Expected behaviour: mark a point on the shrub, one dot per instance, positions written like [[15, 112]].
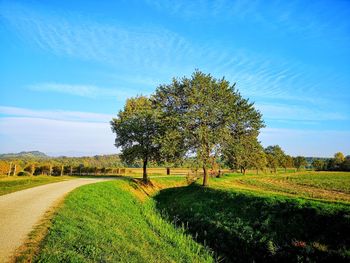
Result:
[[23, 173]]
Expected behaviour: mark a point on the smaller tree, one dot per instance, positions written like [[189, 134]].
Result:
[[318, 165], [245, 152], [339, 158], [287, 162], [299, 162], [260, 160], [274, 156], [136, 129]]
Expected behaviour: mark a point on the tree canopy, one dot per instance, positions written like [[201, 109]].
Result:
[[203, 114], [136, 128]]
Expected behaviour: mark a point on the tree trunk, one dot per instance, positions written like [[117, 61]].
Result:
[[243, 170], [168, 171], [205, 176], [14, 171], [10, 169], [62, 170], [145, 177], [71, 170]]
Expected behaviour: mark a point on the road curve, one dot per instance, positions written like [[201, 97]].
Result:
[[20, 211]]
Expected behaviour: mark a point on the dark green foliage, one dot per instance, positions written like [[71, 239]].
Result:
[[246, 227], [23, 173], [338, 163], [345, 166]]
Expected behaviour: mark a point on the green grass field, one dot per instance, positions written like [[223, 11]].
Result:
[[16, 183], [292, 217], [106, 222]]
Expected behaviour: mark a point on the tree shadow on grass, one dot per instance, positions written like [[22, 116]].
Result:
[[246, 227]]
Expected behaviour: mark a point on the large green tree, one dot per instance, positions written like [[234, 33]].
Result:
[[201, 114], [136, 129]]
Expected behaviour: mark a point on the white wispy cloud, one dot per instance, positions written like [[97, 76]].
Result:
[[160, 52], [56, 115], [309, 20], [72, 36], [88, 91]]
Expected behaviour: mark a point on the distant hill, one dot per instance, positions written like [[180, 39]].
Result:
[[20, 155]]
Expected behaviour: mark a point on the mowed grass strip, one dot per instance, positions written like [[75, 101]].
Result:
[[105, 222], [16, 183]]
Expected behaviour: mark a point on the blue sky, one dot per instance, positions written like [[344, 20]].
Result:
[[67, 67]]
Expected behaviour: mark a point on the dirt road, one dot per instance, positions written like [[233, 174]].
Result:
[[20, 211]]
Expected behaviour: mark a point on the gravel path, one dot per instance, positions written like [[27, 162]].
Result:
[[20, 211]]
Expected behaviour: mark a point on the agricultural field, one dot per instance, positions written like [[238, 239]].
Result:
[[265, 218], [327, 186]]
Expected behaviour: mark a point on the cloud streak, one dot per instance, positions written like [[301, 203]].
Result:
[[88, 91], [152, 48], [291, 17], [156, 50], [56, 115]]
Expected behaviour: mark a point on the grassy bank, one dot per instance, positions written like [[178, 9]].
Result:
[[106, 222], [16, 183], [243, 222]]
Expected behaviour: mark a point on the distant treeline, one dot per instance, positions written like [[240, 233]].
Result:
[[27, 163], [338, 163], [43, 164]]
